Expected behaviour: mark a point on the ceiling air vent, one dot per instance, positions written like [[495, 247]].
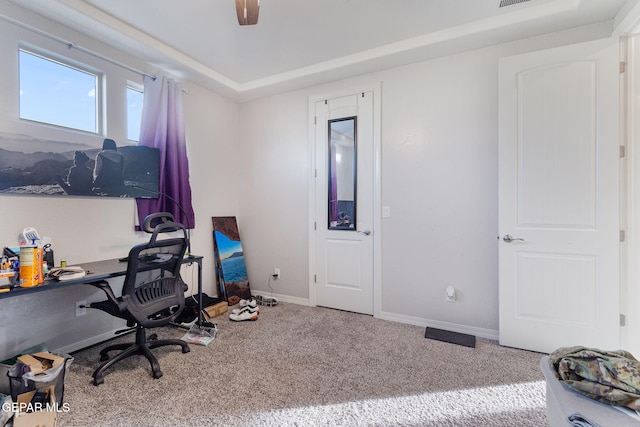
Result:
[[505, 3]]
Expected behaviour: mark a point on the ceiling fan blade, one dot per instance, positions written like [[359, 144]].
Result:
[[247, 11]]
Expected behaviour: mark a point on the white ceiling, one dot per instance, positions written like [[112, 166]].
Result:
[[304, 42]]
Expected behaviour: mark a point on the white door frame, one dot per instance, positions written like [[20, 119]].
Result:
[[376, 88]]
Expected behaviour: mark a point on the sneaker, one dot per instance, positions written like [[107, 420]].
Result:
[[246, 308], [246, 313], [268, 301], [244, 304]]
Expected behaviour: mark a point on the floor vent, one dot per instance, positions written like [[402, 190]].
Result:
[[450, 337], [505, 3]]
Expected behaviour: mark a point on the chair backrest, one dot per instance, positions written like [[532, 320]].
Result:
[[151, 221], [153, 291]]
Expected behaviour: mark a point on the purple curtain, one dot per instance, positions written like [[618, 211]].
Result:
[[162, 127], [333, 182]]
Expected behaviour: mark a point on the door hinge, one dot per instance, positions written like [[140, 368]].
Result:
[[314, 225], [623, 151], [315, 278], [623, 67], [623, 320], [315, 173], [622, 235]]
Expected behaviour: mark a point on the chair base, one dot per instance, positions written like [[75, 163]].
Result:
[[142, 347]]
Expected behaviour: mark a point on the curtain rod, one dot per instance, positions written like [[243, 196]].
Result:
[[72, 45]]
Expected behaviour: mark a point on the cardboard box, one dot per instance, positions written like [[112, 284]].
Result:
[[40, 362], [34, 364], [41, 417], [215, 310]]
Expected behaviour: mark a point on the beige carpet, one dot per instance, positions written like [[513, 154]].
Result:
[[306, 366]]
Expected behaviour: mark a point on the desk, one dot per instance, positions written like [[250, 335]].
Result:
[[102, 270]]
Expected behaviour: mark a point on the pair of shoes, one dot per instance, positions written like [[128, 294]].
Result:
[[268, 301], [249, 311], [244, 315], [251, 304]]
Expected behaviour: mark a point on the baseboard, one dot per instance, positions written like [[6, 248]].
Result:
[[88, 342], [447, 326], [283, 298]]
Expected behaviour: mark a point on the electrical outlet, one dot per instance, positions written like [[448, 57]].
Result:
[[276, 273], [81, 308], [450, 295]]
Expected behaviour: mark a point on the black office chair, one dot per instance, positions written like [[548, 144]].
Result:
[[152, 296]]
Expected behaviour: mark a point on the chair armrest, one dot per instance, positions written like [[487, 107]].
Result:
[[104, 285]]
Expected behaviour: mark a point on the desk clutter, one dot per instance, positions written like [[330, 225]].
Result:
[[66, 273], [27, 264], [32, 262], [32, 387]]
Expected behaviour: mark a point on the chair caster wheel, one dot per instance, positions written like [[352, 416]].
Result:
[[157, 374], [152, 337], [104, 357], [186, 350], [98, 381]]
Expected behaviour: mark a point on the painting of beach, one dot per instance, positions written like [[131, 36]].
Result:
[[231, 271]]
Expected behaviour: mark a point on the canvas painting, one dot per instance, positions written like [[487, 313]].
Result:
[[57, 168], [231, 271]]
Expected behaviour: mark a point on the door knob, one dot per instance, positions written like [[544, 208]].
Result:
[[365, 232], [507, 238]]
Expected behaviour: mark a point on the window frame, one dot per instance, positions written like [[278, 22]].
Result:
[[115, 77], [100, 76]]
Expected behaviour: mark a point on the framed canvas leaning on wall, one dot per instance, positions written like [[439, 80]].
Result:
[[228, 255]]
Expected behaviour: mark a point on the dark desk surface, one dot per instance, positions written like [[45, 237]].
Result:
[[95, 271]]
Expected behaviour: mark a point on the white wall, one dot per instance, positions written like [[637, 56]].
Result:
[[211, 123], [439, 177], [87, 229], [273, 193]]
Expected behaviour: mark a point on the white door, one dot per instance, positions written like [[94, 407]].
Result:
[[559, 198], [344, 203]]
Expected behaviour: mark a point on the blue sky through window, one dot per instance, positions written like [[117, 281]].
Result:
[[57, 94], [134, 113]]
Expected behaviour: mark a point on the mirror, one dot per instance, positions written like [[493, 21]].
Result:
[[342, 174]]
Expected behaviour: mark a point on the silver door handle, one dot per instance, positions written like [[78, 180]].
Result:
[[365, 232], [507, 238]]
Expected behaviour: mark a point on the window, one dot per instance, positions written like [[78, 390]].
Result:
[[58, 94], [134, 113]]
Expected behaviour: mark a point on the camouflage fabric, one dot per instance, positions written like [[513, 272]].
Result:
[[611, 377]]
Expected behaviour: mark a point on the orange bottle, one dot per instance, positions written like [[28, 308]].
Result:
[[28, 269]]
